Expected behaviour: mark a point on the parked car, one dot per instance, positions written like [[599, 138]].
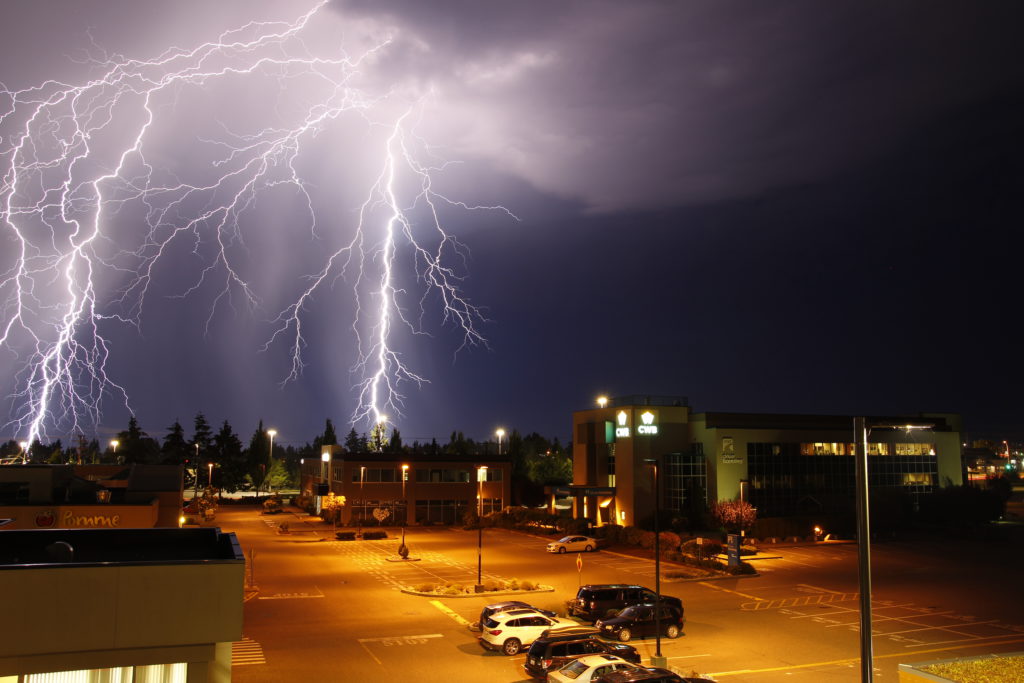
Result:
[[511, 632], [639, 620], [589, 668], [595, 601], [573, 544], [649, 675], [557, 647], [488, 610]]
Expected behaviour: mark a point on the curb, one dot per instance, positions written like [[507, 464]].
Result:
[[486, 594]]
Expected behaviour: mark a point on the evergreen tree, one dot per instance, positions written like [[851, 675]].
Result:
[[202, 438], [352, 441], [258, 457], [329, 437], [230, 470], [396, 441], [135, 446], [175, 448]]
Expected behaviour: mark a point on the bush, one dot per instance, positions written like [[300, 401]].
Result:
[[528, 586], [425, 588], [452, 590], [742, 568], [345, 535], [490, 585], [374, 535], [633, 535], [647, 540], [710, 548]]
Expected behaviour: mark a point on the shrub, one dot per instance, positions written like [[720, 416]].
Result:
[[374, 535], [669, 541], [633, 535], [742, 568], [490, 585], [709, 549], [452, 590], [425, 588], [528, 585], [647, 540], [345, 535]]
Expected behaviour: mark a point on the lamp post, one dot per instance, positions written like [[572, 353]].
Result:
[[195, 486], [861, 429], [270, 457], [481, 474], [403, 551], [658, 659], [362, 501], [602, 401], [500, 434], [24, 452], [209, 478]]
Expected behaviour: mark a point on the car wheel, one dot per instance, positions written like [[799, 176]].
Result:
[[588, 549], [511, 646], [625, 635], [672, 631], [561, 550]]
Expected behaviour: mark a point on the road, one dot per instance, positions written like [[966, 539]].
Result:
[[332, 610]]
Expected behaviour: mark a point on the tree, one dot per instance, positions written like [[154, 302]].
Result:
[[175, 448], [258, 456], [396, 441], [226, 452], [202, 436], [329, 438], [378, 438], [135, 446], [352, 441], [734, 515]]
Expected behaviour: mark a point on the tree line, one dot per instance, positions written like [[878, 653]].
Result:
[[535, 460]]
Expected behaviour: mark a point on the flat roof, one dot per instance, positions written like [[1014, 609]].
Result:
[[34, 548], [811, 422]]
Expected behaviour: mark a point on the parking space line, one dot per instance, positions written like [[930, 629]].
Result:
[[726, 590], [445, 609]]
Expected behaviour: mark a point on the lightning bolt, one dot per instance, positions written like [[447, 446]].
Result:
[[77, 169]]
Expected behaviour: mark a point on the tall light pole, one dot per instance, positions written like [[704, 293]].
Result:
[[405, 504], [270, 458], [657, 660], [481, 474], [602, 401], [861, 429], [500, 434], [362, 501], [24, 452], [209, 478]]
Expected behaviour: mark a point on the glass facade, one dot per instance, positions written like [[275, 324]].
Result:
[[786, 480], [686, 480]]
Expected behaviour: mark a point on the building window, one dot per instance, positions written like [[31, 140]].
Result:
[[686, 481], [376, 475], [915, 449], [442, 476]]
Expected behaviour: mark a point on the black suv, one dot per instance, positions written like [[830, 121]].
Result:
[[639, 620], [596, 601], [556, 647]]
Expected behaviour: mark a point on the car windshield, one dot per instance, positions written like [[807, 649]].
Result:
[[567, 539], [632, 612], [573, 669]]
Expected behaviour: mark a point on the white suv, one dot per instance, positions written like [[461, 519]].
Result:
[[511, 631]]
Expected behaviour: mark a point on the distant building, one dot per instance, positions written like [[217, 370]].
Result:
[[120, 605], [437, 489], [90, 496], [784, 465]]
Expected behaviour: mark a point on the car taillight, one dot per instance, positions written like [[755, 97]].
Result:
[[495, 632], [547, 663], [592, 604]]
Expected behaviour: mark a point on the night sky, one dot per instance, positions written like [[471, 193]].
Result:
[[771, 207]]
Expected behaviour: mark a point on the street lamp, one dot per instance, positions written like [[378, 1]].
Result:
[[658, 659], [481, 475], [209, 478], [861, 429], [362, 501], [114, 443], [271, 433], [24, 452], [602, 401], [405, 510], [500, 434]]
